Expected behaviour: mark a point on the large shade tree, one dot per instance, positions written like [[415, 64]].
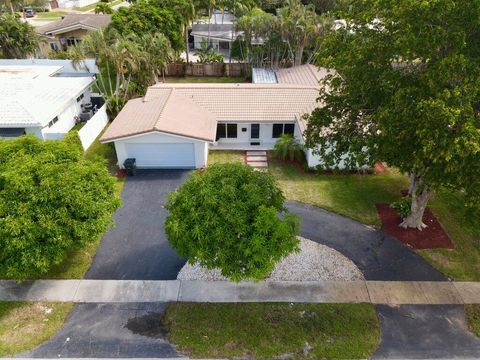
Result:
[[145, 17], [405, 91], [227, 217], [52, 200], [18, 39]]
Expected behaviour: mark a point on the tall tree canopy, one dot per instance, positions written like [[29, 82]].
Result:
[[150, 16], [405, 91], [17, 38], [52, 200]]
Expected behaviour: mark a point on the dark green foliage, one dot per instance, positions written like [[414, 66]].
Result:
[[406, 91], [226, 217], [51, 201], [402, 207], [17, 38], [145, 17], [287, 147]]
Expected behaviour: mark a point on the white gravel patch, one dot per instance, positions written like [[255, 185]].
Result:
[[314, 262]]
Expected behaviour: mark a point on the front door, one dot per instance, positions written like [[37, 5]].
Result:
[[255, 131]]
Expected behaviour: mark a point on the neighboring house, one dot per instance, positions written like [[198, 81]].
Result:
[[222, 32], [67, 32], [40, 100], [175, 125]]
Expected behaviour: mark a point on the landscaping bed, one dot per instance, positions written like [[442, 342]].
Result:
[[313, 262], [265, 330], [24, 325], [433, 236]]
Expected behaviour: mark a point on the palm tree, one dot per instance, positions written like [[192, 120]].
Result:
[[103, 8], [187, 10], [158, 54], [288, 147]]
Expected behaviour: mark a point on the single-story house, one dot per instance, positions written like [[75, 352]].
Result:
[[222, 32], [67, 32], [33, 100], [176, 125]]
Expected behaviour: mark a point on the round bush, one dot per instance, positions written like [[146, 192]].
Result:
[[232, 218]]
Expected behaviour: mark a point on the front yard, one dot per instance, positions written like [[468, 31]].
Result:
[[355, 196], [264, 331]]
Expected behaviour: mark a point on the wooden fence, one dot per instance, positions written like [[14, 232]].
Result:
[[215, 69]]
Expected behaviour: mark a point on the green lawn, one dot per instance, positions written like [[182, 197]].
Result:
[[473, 317], [222, 157], [263, 331], [355, 196], [88, 7], [55, 14], [350, 195], [24, 325], [205, 79]]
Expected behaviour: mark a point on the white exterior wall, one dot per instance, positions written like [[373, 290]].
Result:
[[265, 139], [66, 119], [201, 147]]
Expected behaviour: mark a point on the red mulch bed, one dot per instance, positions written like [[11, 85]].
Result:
[[121, 173], [432, 237], [379, 168]]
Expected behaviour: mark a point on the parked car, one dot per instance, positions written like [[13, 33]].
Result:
[[29, 12]]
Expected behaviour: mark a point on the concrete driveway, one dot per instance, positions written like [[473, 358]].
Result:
[[137, 247]]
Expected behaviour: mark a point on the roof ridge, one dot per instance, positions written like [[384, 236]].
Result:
[[163, 108]]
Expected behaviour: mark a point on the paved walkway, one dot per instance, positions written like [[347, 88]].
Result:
[[257, 159], [139, 291]]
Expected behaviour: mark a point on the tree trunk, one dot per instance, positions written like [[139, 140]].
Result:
[[186, 42], [209, 17], [298, 55], [412, 183], [420, 196]]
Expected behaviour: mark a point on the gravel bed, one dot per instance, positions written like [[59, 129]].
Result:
[[313, 262]]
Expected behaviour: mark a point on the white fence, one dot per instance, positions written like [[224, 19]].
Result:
[[89, 132]]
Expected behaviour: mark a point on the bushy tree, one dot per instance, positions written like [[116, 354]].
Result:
[[52, 200], [227, 217], [148, 17], [18, 40], [406, 91]]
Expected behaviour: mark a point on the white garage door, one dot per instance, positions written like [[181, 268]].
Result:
[[162, 155]]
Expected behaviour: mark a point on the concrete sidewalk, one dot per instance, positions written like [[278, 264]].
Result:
[[125, 291]]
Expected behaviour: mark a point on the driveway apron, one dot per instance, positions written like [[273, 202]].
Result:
[[136, 248], [407, 331]]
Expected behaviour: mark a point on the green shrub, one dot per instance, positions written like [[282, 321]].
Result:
[[402, 206], [51, 201], [287, 147], [227, 217]]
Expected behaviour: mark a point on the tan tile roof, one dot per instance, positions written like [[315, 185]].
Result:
[[246, 102], [308, 75], [168, 112], [192, 109], [90, 20]]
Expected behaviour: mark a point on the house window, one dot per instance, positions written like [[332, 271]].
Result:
[[231, 130], [226, 131], [54, 46], [72, 41], [281, 129], [52, 122]]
